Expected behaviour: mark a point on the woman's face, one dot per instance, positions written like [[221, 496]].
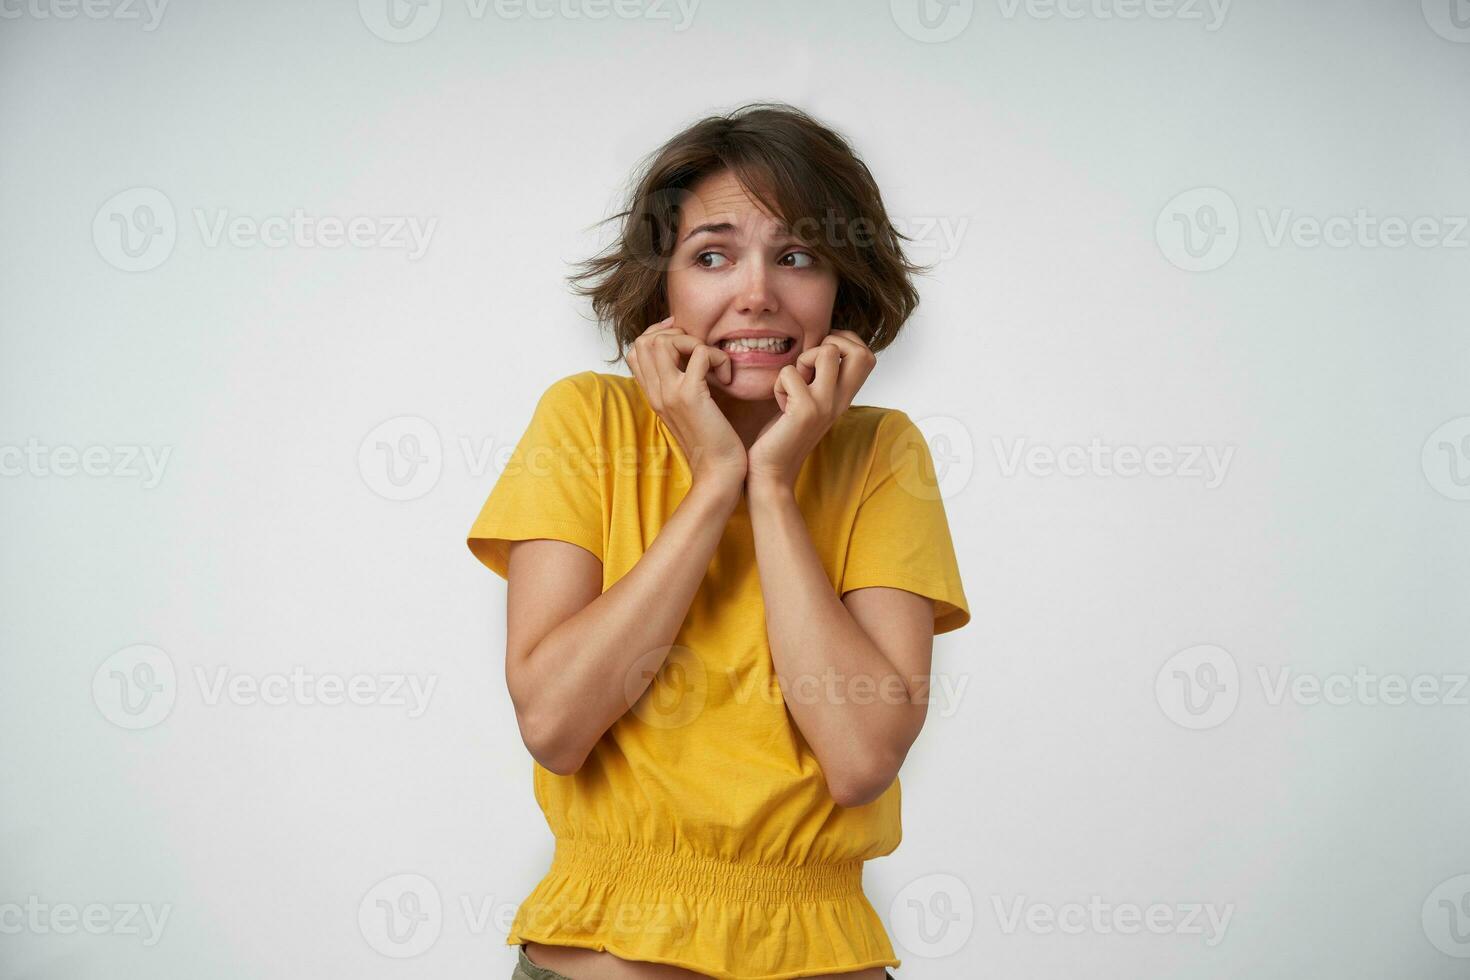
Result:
[[737, 272]]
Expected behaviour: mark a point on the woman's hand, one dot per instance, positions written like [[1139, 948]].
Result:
[[682, 398], [839, 364]]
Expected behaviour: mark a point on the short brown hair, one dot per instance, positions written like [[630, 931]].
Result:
[[797, 169]]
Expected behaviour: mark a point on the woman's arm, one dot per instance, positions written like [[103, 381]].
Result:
[[571, 648], [854, 671]]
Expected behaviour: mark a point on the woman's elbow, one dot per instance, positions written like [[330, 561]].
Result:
[[552, 749], [860, 789], [542, 725], [560, 765]]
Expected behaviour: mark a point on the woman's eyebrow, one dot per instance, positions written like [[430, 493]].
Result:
[[720, 227], [713, 228]]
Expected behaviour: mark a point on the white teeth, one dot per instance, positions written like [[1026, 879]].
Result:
[[771, 344]]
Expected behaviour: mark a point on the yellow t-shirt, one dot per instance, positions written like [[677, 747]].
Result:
[[699, 832]]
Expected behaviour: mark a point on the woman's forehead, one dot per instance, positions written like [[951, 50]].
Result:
[[721, 197]]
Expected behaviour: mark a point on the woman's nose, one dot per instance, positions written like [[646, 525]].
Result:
[[756, 295]]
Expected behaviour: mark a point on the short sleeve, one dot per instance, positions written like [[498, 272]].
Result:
[[550, 487], [900, 536]]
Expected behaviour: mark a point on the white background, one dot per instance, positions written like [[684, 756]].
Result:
[[1054, 148]]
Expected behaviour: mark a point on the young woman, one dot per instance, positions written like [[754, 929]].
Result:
[[724, 578]]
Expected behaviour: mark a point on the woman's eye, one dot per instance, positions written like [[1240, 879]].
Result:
[[699, 259], [807, 257]]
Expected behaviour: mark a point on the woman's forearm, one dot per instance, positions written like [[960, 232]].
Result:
[[591, 668], [861, 731]]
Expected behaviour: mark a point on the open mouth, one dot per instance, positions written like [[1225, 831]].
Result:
[[762, 345]]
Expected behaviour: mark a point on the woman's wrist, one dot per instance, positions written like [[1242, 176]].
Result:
[[722, 487], [768, 489]]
